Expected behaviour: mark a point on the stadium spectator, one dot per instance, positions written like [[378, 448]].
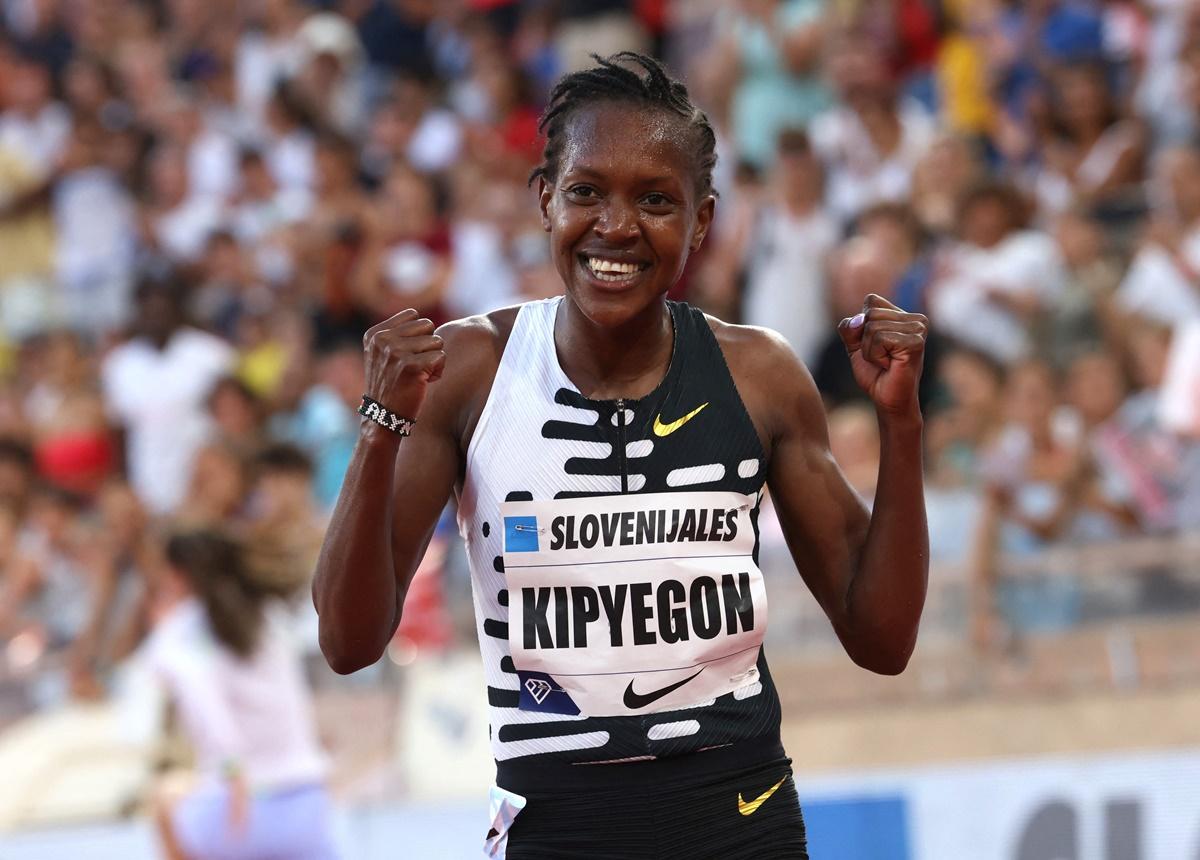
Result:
[[873, 138], [766, 65], [49, 588], [854, 443], [406, 258], [990, 285], [221, 650], [786, 248], [1152, 461], [1093, 154], [1161, 281], [72, 441], [284, 520], [17, 470], [155, 386], [216, 491]]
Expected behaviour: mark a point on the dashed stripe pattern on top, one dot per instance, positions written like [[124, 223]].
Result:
[[539, 438]]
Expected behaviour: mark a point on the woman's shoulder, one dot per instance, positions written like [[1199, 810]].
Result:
[[759, 347], [772, 381], [761, 358], [181, 633], [474, 346], [481, 331]]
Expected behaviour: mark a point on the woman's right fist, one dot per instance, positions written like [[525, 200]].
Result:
[[403, 356]]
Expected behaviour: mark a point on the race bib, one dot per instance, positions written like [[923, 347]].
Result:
[[632, 604]]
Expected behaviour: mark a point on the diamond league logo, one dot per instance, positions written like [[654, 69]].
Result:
[[538, 688]]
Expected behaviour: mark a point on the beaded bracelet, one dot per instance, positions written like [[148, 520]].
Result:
[[384, 417]]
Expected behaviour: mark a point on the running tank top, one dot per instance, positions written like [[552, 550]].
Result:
[[539, 443]]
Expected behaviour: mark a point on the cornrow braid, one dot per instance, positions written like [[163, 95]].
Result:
[[612, 79]]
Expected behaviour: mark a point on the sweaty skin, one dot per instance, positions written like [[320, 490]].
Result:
[[626, 193]]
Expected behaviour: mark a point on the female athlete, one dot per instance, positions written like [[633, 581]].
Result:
[[609, 450]]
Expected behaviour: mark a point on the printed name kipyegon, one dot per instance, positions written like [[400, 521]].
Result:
[[630, 528], [676, 613]]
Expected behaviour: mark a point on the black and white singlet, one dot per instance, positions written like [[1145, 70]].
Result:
[[628, 623]]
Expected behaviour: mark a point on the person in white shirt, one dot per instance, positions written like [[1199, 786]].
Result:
[[992, 283], [180, 220], [156, 386], [210, 153], [261, 207], [785, 284], [1094, 154], [1163, 281], [94, 257], [222, 650], [35, 128], [874, 138]]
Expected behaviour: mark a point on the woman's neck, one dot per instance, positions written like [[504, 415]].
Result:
[[800, 207], [1086, 136], [882, 124], [610, 363]]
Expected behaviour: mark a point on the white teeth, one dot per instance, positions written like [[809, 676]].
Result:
[[600, 268]]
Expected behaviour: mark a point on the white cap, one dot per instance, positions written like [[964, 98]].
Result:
[[330, 33]]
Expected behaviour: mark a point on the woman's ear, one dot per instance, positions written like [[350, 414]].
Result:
[[704, 216], [545, 193]]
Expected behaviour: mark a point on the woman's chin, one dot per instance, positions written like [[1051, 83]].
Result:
[[612, 309]]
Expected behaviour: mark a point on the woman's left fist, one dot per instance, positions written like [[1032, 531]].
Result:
[[886, 346]]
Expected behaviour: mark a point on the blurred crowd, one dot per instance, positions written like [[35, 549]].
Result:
[[204, 203]]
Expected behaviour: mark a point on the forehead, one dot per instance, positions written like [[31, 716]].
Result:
[[620, 140]]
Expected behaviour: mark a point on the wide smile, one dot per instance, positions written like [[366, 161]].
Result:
[[612, 275]]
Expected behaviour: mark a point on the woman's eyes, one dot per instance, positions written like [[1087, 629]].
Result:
[[653, 200], [585, 192], [656, 200]]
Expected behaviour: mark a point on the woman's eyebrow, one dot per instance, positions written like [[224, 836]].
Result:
[[663, 179], [584, 171]]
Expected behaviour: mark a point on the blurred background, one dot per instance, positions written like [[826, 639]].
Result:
[[204, 203]]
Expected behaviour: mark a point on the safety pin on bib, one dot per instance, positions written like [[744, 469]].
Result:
[[750, 673], [523, 528]]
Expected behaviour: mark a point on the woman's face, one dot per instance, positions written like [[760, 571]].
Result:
[[335, 172], [986, 222], [1096, 386], [84, 85], [1149, 347], [799, 178], [1083, 99], [624, 213], [1031, 396], [217, 480], [408, 205], [168, 176], [233, 412], [972, 384]]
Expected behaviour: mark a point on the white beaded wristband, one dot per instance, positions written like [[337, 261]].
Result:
[[384, 417]]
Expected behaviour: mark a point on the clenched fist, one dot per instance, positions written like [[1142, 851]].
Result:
[[403, 356], [886, 346]]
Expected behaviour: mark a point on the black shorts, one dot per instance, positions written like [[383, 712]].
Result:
[[749, 813]]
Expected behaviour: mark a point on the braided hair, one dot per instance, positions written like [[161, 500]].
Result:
[[611, 80]]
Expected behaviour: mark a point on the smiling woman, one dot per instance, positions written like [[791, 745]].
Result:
[[622, 228], [609, 450]]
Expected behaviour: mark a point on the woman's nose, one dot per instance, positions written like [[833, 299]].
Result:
[[617, 222]]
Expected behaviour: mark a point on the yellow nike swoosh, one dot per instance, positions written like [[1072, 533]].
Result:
[[661, 429], [752, 807]]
